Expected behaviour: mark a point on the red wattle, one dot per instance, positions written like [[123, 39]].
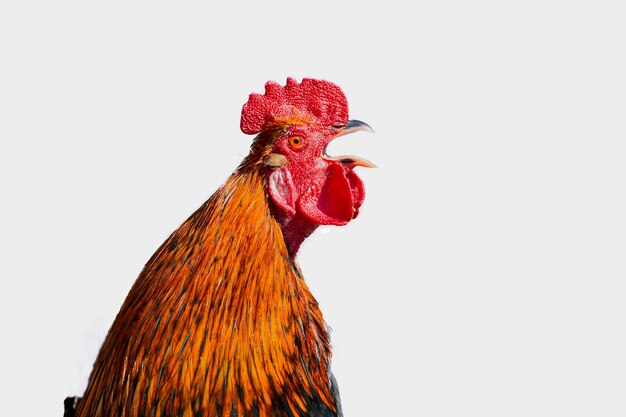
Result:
[[333, 203], [358, 191]]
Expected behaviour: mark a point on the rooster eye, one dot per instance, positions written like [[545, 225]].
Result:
[[296, 141]]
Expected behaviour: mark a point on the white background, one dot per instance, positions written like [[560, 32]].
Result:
[[485, 274]]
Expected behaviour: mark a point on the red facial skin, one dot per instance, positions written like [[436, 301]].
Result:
[[311, 189], [307, 188]]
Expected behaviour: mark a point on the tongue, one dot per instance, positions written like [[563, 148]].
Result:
[[335, 203]]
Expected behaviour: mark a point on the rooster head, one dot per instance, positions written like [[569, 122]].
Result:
[[295, 124]]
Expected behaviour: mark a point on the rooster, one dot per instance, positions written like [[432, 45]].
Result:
[[220, 322]]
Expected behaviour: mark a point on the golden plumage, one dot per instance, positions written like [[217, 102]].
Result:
[[220, 319]]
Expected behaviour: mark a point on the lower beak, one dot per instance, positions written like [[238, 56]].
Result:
[[351, 160]]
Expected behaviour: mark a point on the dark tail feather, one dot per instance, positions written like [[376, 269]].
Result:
[[70, 403]]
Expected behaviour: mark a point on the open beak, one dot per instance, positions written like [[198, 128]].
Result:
[[351, 160]]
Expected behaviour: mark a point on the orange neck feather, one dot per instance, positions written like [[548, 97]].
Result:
[[220, 319]]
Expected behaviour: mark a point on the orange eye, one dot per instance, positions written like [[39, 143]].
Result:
[[296, 141]]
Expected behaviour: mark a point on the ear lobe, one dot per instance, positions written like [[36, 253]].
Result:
[[282, 191]]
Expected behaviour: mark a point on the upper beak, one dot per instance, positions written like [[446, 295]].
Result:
[[355, 126], [351, 160]]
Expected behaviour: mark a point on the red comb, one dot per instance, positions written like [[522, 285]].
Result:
[[322, 100]]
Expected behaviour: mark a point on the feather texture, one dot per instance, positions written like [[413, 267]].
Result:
[[219, 323]]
